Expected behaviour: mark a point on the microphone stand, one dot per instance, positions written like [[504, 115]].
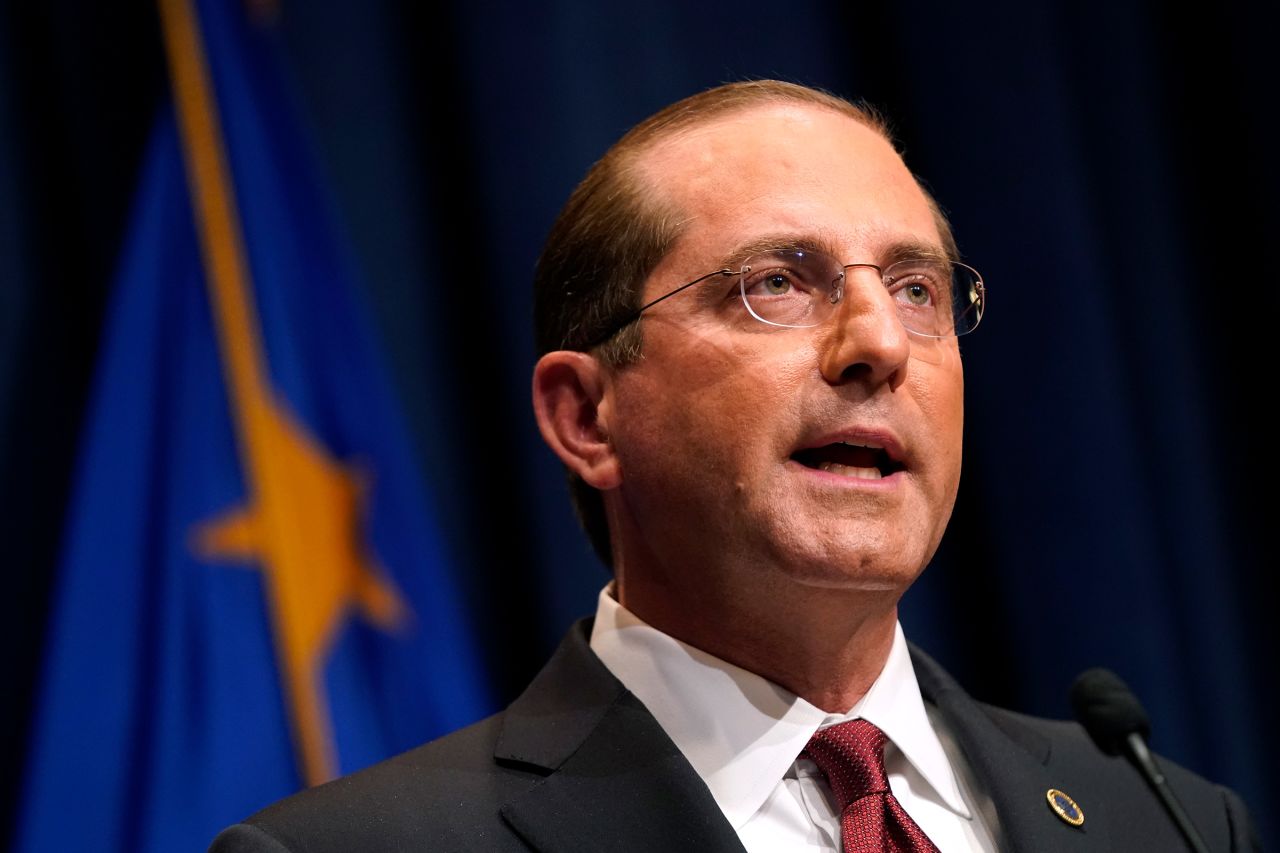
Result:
[[1136, 748]]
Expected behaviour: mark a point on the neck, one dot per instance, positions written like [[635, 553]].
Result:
[[825, 645]]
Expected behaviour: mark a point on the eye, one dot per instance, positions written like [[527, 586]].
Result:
[[785, 274], [916, 287], [786, 287], [917, 294], [776, 284], [770, 281]]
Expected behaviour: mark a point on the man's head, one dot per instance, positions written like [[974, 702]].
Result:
[[723, 443]]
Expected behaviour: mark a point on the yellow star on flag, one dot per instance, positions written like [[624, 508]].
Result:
[[301, 523]]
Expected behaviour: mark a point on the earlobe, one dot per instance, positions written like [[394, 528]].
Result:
[[570, 391]]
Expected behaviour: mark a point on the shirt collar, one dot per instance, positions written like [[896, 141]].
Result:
[[742, 732]]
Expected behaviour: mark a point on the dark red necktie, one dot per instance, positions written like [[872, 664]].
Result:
[[851, 756]]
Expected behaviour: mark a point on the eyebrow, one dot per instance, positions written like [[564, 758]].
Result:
[[915, 250], [894, 252], [774, 243]]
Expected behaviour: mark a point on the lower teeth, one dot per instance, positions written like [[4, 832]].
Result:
[[848, 471]]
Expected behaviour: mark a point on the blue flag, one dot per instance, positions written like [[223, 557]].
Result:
[[252, 596]]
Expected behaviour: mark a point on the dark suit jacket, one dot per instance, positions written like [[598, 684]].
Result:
[[578, 764]]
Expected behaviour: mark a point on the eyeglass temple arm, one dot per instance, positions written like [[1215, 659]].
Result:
[[635, 315], [643, 308]]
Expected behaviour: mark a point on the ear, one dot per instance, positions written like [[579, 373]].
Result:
[[568, 391]]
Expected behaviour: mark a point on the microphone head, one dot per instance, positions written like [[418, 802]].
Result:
[[1108, 710]]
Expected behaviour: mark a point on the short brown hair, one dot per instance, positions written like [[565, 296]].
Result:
[[614, 230]]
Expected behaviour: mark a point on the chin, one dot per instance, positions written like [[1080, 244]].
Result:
[[865, 567]]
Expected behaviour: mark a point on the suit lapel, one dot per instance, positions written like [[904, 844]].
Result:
[[614, 780], [1009, 762]]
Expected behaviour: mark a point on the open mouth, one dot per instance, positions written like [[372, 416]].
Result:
[[849, 460]]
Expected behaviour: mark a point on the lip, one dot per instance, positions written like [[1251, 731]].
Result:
[[875, 437], [883, 439]]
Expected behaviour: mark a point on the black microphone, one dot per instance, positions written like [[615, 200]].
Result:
[[1116, 721]]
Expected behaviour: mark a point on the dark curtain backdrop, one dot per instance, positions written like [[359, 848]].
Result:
[[1111, 170]]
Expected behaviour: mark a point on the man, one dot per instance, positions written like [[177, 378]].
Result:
[[748, 316]]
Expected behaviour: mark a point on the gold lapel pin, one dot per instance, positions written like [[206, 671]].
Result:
[[1065, 807]]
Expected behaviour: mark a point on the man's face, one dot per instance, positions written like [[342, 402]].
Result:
[[729, 432]]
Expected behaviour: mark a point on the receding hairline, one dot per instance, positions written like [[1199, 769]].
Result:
[[640, 160], [722, 101], [634, 155], [700, 112], [638, 157]]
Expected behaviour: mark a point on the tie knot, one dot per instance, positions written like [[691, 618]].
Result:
[[851, 756]]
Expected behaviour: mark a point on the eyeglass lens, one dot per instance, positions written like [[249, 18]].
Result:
[[801, 288]]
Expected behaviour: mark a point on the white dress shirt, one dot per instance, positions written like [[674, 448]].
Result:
[[743, 735]]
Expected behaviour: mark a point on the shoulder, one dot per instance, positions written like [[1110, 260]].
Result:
[[1214, 809], [1072, 751], [448, 794], [443, 795], [1017, 759], [440, 795]]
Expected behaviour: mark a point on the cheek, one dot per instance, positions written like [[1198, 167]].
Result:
[[763, 395], [717, 411], [939, 391]]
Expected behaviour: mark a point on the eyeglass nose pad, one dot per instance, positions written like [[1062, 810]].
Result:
[[837, 291]]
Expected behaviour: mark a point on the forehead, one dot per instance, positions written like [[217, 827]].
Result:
[[795, 169]]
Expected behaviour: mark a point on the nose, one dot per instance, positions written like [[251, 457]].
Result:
[[865, 340]]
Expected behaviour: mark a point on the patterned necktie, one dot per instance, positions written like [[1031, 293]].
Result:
[[851, 756]]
